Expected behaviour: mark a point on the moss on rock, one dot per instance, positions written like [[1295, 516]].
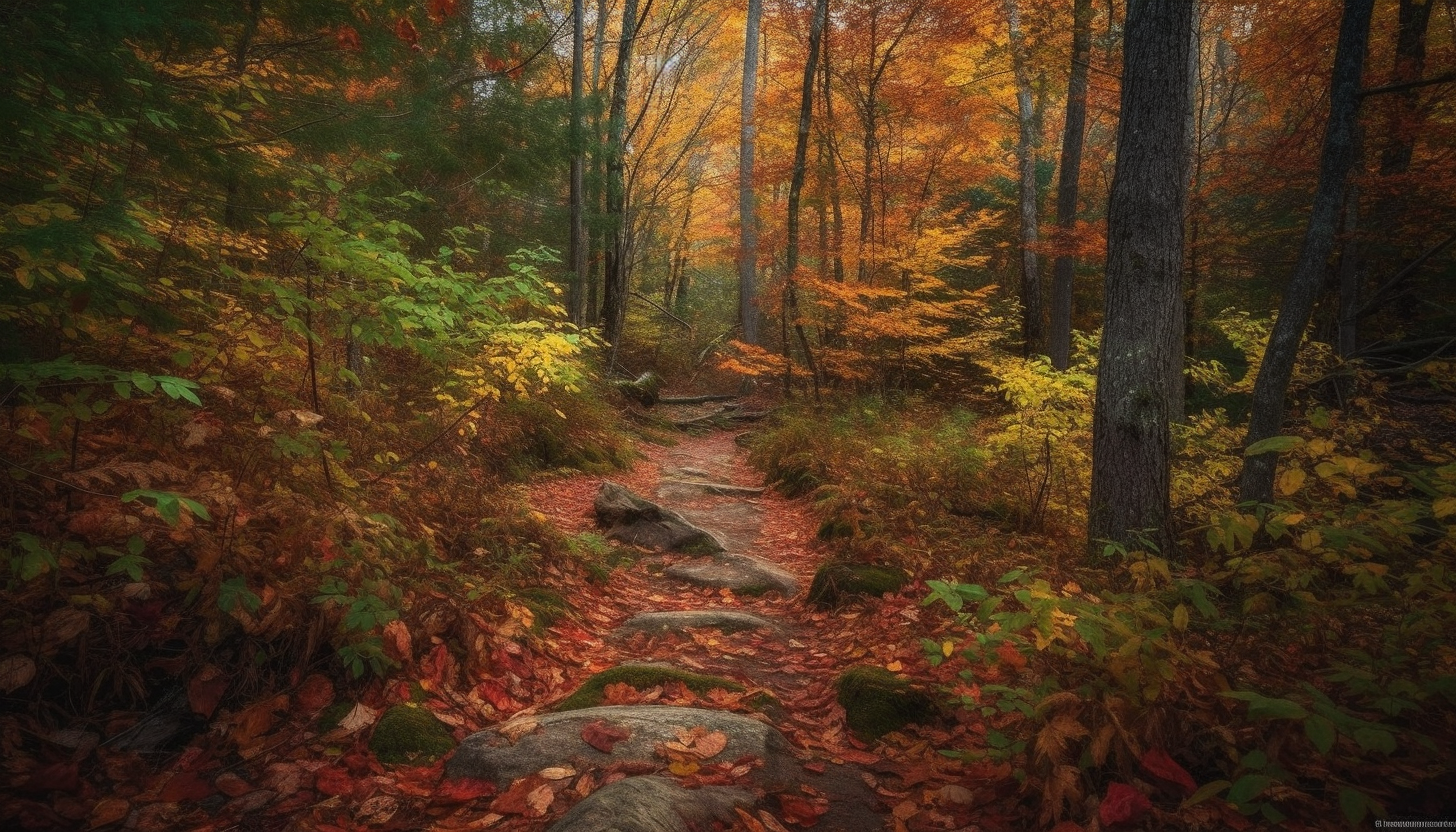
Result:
[[409, 734], [834, 582], [641, 676], [877, 701]]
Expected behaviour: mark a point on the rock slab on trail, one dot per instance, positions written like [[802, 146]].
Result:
[[726, 621], [652, 804], [556, 739], [639, 522], [743, 574]]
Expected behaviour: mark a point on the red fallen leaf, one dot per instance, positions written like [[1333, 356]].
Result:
[[816, 766], [852, 755], [439, 10], [315, 694], [406, 31], [206, 690], [494, 693], [801, 811], [1067, 826], [1122, 804], [63, 777], [188, 785], [603, 735], [463, 790], [1009, 655], [529, 796], [348, 40], [334, 781], [1155, 761]]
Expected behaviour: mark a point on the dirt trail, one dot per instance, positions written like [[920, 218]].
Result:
[[798, 662]]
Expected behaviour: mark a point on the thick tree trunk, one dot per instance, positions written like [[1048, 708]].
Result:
[[617, 249], [1142, 339], [596, 238], [747, 216], [577, 243], [1032, 331], [1068, 181], [1410, 65], [1256, 481]]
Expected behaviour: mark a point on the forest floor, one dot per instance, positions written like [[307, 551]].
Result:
[[290, 772]]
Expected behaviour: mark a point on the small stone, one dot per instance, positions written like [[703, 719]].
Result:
[[726, 621]]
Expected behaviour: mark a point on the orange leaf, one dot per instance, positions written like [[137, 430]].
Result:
[[464, 790], [206, 690]]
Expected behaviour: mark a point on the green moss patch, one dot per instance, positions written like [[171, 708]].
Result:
[[835, 582], [546, 606], [877, 702], [641, 676], [409, 735]]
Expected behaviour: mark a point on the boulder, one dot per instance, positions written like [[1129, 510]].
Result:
[[555, 739], [743, 574], [725, 621], [633, 520], [410, 735], [836, 582], [876, 701], [653, 804]]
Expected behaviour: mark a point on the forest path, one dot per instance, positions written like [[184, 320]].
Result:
[[828, 779]]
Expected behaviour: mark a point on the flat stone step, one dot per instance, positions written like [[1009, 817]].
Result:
[[653, 804], [554, 739], [705, 486], [744, 574], [727, 621], [639, 522]]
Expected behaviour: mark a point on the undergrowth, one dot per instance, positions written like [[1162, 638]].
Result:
[[1288, 660]]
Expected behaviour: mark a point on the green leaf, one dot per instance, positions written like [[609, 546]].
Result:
[[1354, 805], [1248, 787], [1206, 791], [1321, 732], [1375, 739], [1274, 444], [1270, 708], [234, 592]]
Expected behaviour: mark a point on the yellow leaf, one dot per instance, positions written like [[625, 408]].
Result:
[[1180, 617], [682, 768], [895, 666], [1444, 507], [1310, 540], [23, 277], [1291, 481], [947, 648], [71, 271]]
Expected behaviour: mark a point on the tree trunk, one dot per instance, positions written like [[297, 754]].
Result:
[[1256, 481], [617, 267], [1032, 332], [577, 243], [1068, 182], [796, 185], [747, 217], [1142, 340], [1410, 65]]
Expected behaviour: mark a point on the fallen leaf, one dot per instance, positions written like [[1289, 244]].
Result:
[[801, 811], [315, 694], [63, 625], [62, 777], [517, 728], [463, 790], [603, 735], [333, 781], [683, 768], [397, 643], [557, 772], [109, 811], [770, 823], [895, 666], [206, 690], [232, 785], [952, 793], [524, 797], [749, 821], [711, 745], [186, 786], [377, 810], [1155, 761], [16, 672], [361, 716], [1122, 804]]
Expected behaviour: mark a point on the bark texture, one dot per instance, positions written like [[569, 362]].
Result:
[[1142, 340], [1032, 331], [617, 254], [747, 216]]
